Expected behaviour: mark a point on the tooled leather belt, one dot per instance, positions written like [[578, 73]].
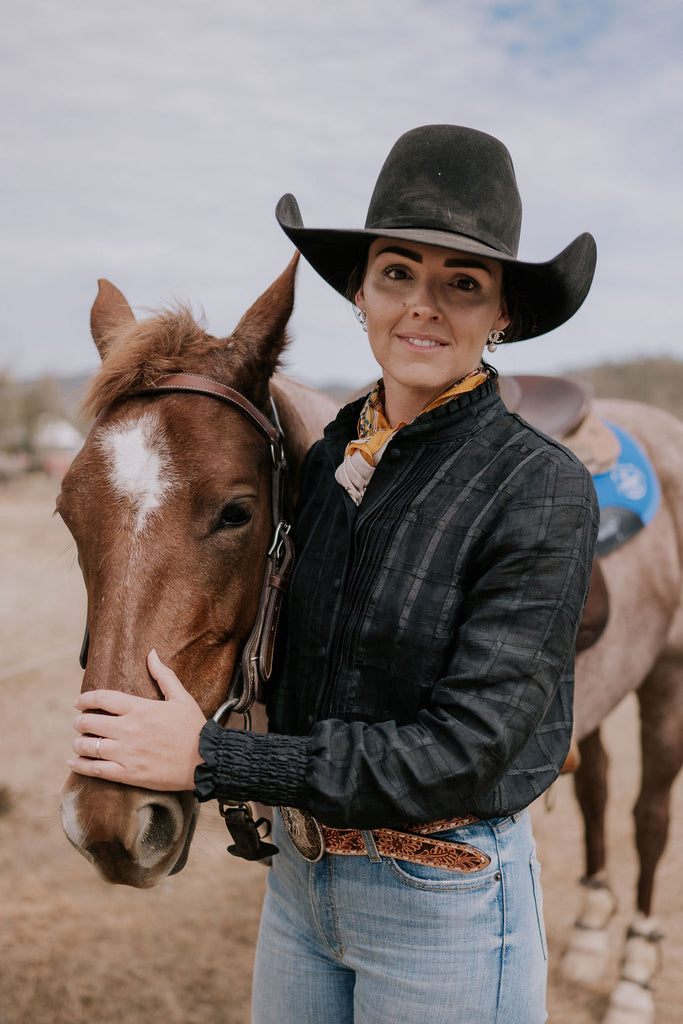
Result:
[[414, 843]]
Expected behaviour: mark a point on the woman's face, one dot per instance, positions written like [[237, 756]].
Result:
[[429, 313]]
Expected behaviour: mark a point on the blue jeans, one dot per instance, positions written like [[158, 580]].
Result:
[[349, 941]]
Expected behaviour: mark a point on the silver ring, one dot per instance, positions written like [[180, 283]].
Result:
[[97, 747]]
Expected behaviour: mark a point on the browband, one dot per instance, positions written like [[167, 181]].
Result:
[[196, 382]]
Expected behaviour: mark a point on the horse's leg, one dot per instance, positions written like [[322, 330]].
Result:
[[661, 716], [590, 786], [587, 952]]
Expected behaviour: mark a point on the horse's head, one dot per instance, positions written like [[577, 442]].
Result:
[[169, 503]]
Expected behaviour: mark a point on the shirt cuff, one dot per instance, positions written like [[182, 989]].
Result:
[[243, 765]]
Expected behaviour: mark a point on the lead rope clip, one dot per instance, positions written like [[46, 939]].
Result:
[[247, 842]]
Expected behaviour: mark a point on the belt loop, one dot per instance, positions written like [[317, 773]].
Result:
[[370, 846]]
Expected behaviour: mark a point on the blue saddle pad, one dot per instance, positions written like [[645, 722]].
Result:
[[628, 494]]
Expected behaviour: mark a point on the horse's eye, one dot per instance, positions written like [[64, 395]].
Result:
[[235, 514]]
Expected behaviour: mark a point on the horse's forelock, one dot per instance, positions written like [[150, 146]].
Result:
[[139, 353]]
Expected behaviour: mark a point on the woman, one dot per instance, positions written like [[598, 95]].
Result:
[[424, 694]]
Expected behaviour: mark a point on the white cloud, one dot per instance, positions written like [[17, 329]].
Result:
[[148, 142]]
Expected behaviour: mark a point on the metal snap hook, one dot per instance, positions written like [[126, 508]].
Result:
[[225, 710]]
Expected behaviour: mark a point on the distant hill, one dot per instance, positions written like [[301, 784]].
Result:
[[655, 381]]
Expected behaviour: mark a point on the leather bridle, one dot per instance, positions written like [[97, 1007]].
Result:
[[255, 667]]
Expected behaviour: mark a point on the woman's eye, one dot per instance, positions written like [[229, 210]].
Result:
[[465, 284], [396, 273], [234, 515]]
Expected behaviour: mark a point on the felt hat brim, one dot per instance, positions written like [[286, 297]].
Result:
[[550, 292]]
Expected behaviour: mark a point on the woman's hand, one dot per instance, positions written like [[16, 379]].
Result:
[[149, 743]]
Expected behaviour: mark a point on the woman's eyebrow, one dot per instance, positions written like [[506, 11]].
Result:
[[461, 261], [451, 261], [398, 250]]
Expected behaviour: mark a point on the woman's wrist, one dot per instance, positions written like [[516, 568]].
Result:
[[242, 765]]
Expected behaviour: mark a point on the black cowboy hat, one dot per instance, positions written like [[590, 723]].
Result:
[[452, 187]]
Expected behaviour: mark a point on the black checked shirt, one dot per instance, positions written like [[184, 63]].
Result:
[[427, 657]]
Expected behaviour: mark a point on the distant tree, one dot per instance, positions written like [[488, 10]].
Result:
[[22, 406], [43, 397], [12, 433]]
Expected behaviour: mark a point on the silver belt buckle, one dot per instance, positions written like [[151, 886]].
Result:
[[305, 833]]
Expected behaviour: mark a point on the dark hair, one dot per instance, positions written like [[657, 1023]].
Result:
[[357, 275], [522, 320]]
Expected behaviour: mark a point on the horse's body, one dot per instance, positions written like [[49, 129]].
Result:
[[641, 651], [169, 503]]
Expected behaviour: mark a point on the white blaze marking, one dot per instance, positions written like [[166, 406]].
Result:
[[140, 466]]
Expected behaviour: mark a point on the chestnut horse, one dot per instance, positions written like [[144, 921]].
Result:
[[169, 502]]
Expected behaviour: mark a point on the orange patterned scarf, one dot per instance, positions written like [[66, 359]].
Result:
[[374, 433]]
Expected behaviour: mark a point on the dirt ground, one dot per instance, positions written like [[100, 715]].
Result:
[[75, 950]]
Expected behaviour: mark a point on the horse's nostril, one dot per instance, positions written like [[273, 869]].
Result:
[[159, 831], [159, 826]]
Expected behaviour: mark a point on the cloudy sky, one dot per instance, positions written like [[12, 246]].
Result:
[[148, 141]]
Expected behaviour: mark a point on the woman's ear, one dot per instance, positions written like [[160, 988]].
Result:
[[359, 297], [504, 319]]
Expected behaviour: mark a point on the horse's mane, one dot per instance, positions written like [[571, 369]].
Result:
[[138, 353]]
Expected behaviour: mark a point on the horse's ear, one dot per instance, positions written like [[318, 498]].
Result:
[[109, 309], [261, 333]]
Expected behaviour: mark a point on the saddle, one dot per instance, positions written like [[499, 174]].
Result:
[[561, 408]]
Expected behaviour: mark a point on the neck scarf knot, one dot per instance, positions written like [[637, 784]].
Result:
[[362, 456]]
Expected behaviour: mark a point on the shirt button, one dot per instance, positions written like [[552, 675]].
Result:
[[395, 453], [322, 651], [337, 583]]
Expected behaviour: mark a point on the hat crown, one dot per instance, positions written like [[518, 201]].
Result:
[[449, 178]]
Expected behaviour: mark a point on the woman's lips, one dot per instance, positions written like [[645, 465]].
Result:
[[422, 343]]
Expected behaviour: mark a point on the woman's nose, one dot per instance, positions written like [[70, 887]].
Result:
[[424, 304]]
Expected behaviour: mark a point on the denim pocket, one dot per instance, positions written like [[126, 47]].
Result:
[[424, 876], [535, 869]]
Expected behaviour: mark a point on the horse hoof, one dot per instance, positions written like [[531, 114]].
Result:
[[585, 960], [630, 1004]]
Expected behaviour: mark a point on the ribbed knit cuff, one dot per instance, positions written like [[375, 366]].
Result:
[[243, 765]]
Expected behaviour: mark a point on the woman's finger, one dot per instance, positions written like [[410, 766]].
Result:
[[112, 701], [168, 681], [99, 748], [96, 725], [98, 769]]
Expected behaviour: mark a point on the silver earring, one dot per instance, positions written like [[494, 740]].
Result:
[[495, 338], [361, 317]]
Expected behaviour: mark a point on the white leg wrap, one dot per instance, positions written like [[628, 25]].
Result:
[[630, 1004], [631, 1001], [585, 959], [641, 952]]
